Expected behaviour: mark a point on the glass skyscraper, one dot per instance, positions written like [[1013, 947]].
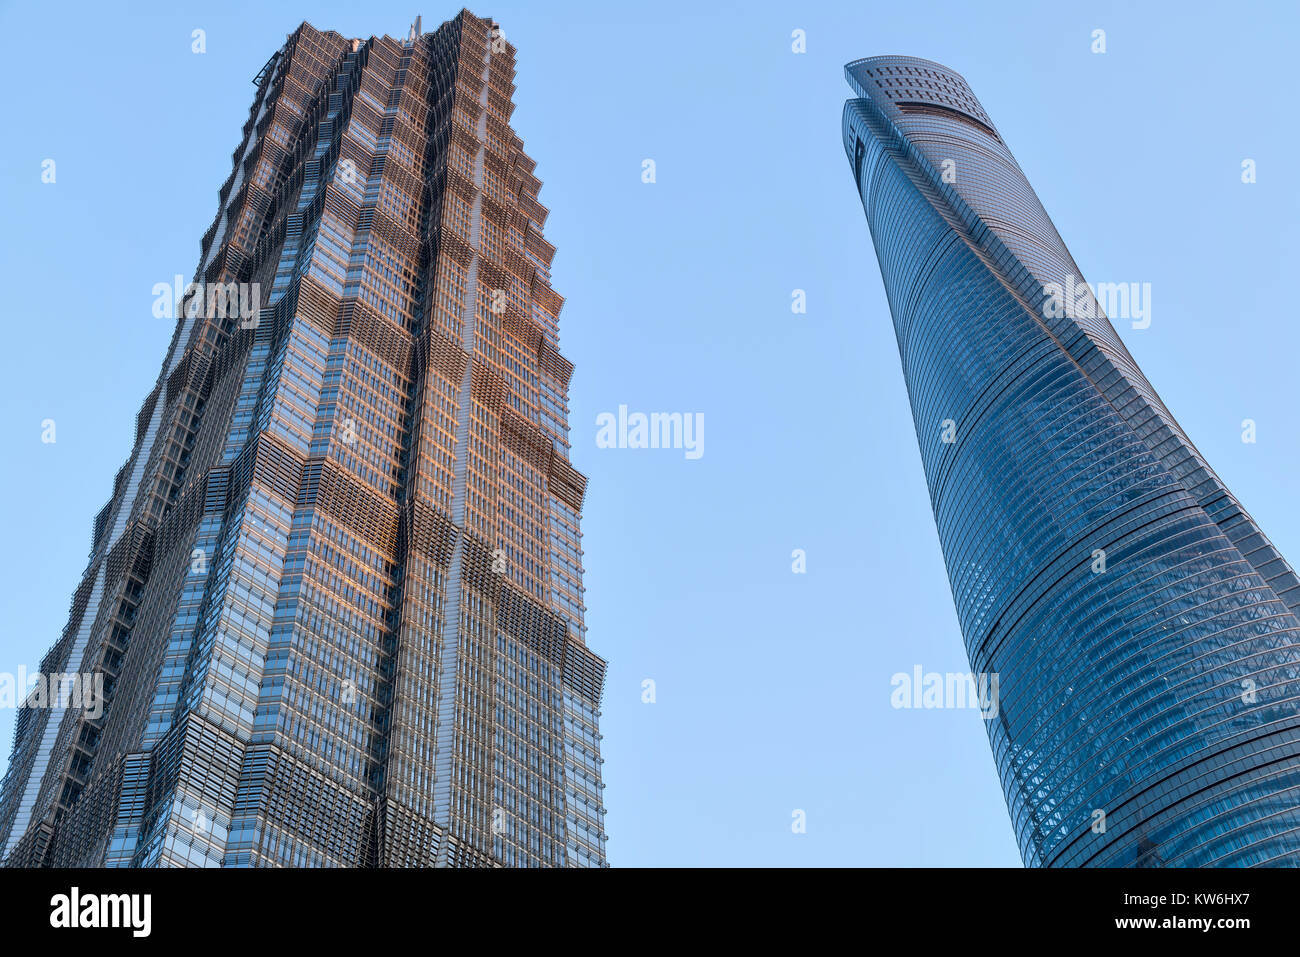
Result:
[[1143, 629], [335, 601]]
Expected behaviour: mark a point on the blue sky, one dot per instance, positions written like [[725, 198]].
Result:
[[772, 689]]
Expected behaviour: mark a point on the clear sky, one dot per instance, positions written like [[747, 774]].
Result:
[[772, 688]]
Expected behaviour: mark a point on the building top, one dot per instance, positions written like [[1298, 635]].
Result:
[[907, 85]]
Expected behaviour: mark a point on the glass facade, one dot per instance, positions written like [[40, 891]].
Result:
[[1144, 630], [337, 593]]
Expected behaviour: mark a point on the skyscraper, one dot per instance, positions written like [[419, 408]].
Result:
[[335, 599], [1143, 629]]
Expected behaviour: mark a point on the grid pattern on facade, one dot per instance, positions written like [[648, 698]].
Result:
[[336, 595]]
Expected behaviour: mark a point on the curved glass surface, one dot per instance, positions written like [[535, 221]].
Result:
[[1143, 630]]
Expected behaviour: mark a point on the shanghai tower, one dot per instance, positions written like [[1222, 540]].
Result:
[[334, 602], [1145, 632]]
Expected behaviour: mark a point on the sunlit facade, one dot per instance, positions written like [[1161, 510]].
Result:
[[1143, 628], [336, 595]]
